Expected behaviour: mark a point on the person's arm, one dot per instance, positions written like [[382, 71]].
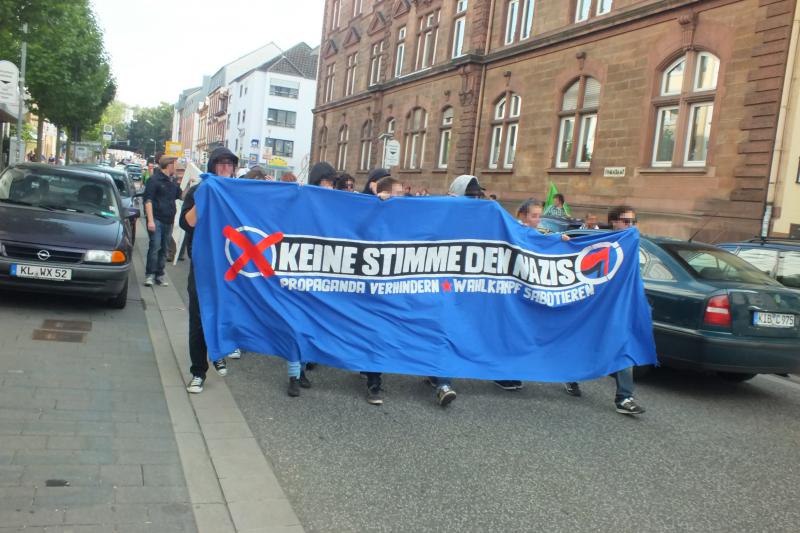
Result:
[[188, 218], [149, 191]]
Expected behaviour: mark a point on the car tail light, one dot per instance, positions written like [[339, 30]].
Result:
[[718, 311]]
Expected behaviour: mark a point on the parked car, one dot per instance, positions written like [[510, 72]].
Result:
[[713, 311], [131, 197], [777, 258], [134, 171], [559, 224], [64, 230]]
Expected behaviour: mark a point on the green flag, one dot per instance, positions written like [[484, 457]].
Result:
[[550, 194]]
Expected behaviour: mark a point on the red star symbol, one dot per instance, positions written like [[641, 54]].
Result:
[[446, 287]]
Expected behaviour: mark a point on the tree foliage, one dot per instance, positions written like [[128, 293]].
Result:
[[68, 73], [151, 123]]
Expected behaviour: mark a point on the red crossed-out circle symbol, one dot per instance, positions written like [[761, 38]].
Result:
[[250, 252]]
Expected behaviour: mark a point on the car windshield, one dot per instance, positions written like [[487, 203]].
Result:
[[715, 264], [65, 192], [789, 269], [133, 168]]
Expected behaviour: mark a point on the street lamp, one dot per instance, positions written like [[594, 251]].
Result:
[[155, 144]]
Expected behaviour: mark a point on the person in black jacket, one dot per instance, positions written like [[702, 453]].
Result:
[[221, 163], [159, 207]]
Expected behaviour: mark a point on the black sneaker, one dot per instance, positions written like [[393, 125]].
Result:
[[628, 406], [509, 384], [304, 382], [573, 389], [445, 395], [375, 395], [294, 387], [311, 366], [433, 382], [221, 367], [195, 386]]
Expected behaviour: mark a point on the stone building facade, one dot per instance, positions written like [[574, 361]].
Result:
[[670, 106]]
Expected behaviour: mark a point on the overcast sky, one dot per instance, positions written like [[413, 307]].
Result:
[[160, 47]]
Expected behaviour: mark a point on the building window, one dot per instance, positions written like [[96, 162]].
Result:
[[585, 8], [323, 144], [241, 89], [366, 146], [341, 153], [400, 54], [350, 74], [687, 89], [244, 115], [427, 40], [416, 123], [445, 136], [286, 92], [519, 26], [578, 123], [279, 117], [390, 129], [335, 12], [505, 131], [376, 63], [459, 26], [330, 80], [357, 6], [280, 147]]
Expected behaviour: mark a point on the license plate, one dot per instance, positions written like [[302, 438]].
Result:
[[41, 272], [773, 320]]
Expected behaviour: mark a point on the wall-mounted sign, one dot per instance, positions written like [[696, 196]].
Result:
[[392, 155], [173, 149], [277, 162], [614, 172]]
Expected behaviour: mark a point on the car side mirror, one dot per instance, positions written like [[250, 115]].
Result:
[[132, 213]]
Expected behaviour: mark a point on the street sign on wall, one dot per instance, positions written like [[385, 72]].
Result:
[[173, 149], [391, 156]]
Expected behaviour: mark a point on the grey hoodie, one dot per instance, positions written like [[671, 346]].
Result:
[[460, 184]]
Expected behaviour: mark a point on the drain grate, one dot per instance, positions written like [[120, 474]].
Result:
[[56, 483], [58, 336], [67, 325]]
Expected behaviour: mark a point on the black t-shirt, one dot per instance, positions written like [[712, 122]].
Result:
[[188, 203], [162, 191]]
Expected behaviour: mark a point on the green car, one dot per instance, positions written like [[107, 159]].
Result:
[[713, 311]]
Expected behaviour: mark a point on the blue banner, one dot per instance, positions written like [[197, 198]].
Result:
[[436, 286]]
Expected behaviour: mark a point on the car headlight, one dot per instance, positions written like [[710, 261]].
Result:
[[104, 256]]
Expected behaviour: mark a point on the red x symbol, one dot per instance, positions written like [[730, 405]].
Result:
[[250, 253]]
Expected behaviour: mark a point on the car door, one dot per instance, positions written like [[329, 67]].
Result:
[[665, 293]]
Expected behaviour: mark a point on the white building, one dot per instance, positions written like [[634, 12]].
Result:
[[269, 112]]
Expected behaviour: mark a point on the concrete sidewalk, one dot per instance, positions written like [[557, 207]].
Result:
[[231, 485], [97, 431]]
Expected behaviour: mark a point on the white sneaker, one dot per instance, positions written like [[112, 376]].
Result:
[[236, 354], [149, 280], [220, 367], [196, 385]]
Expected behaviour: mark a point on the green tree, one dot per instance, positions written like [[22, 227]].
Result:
[[151, 124], [114, 116]]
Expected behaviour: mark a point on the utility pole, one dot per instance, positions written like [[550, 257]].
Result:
[[24, 53]]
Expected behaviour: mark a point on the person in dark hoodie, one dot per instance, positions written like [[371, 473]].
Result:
[[322, 174], [222, 163], [372, 180]]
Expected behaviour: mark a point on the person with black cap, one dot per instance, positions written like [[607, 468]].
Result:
[[222, 163], [322, 174], [372, 180]]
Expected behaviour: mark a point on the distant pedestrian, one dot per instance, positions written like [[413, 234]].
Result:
[[322, 175], [288, 177], [160, 194], [556, 209], [221, 163], [345, 182], [255, 173]]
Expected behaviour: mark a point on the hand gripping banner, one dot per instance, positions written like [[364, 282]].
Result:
[[436, 286]]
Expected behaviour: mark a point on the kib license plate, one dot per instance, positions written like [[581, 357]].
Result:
[[41, 272], [773, 320]]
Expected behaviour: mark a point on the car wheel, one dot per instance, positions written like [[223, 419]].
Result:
[[735, 377], [120, 300]]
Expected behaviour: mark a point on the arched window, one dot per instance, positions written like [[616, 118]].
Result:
[[519, 20], [505, 130], [323, 144], [366, 146], [686, 93], [416, 123], [445, 135], [585, 9], [579, 106], [341, 153]]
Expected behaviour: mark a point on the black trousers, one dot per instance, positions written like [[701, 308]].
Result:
[[198, 352]]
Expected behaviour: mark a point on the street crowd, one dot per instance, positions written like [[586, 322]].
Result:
[[162, 190]]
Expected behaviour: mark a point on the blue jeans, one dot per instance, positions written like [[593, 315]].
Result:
[[624, 379], [157, 252], [440, 382]]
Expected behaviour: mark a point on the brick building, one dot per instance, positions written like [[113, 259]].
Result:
[[671, 105]]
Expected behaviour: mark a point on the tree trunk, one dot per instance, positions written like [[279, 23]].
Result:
[[39, 136]]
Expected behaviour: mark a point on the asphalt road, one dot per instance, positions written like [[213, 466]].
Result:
[[707, 456]]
